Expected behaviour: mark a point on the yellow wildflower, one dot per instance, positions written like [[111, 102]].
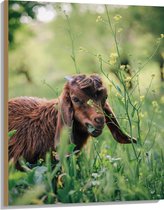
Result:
[[162, 36], [122, 67], [113, 58], [118, 94], [41, 160], [128, 84], [154, 104], [119, 30], [90, 102], [112, 62], [127, 79], [141, 115], [54, 153], [60, 181], [122, 99], [99, 19], [117, 17], [142, 98]]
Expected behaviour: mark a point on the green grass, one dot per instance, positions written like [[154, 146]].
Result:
[[103, 171]]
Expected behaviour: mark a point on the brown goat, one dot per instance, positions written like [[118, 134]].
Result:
[[82, 106]]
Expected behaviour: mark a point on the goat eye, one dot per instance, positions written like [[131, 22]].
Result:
[[75, 99]]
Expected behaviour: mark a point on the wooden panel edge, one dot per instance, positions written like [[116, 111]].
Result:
[[5, 98]]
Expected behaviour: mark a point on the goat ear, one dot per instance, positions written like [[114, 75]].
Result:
[[115, 128], [64, 116]]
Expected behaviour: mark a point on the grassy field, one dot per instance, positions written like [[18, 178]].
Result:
[[104, 170]]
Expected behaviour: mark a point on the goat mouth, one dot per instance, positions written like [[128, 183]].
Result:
[[93, 131], [96, 132]]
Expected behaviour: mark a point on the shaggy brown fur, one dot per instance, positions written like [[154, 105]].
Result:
[[38, 122]]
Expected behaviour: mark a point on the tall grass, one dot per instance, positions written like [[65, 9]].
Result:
[[104, 170]]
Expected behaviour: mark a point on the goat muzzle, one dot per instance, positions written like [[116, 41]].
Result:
[[94, 131]]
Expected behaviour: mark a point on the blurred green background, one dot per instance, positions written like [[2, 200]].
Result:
[[40, 46]]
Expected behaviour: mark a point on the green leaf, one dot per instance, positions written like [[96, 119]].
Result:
[[39, 174], [71, 148], [11, 133], [119, 89]]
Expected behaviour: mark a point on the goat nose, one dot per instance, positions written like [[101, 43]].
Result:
[[99, 120]]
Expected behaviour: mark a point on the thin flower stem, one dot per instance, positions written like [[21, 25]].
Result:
[[113, 33], [126, 94], [71, 36]]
